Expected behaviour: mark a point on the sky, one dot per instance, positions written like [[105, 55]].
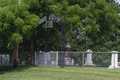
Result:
[[118, 1]]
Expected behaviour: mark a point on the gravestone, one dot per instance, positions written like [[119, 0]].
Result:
[[68, 60], [46, 58], [4, 59], [114, 60], [89, 58]]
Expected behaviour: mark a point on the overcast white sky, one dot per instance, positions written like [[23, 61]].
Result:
[[118, 1]]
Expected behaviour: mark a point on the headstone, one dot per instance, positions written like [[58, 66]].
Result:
[[72, 61], [4, 59], [89, 58], [44, 58], [68, 60], [114, 60]]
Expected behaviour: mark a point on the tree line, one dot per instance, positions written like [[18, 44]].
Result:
[[90, 24]]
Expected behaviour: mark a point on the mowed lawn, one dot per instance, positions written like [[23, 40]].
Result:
[[54, 73]]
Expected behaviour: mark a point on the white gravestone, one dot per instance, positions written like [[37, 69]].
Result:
[[114, 60], [4, 59], [89, 58], [68, 61]]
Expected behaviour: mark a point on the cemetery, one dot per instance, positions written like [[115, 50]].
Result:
[[59, 39]]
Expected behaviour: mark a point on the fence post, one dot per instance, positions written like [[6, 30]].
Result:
[[35, 59], [57, 58], [82, 60], [1, 59], [114, 61], [45, 58]]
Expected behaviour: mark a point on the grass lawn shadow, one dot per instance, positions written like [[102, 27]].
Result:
[[9, 68]]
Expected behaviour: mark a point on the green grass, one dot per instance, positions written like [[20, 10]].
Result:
[[54, 73]]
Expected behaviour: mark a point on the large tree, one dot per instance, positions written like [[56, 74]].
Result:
[[97, 19], [17, 25], [89, 23]]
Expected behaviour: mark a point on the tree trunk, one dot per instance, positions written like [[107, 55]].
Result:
[[30, 55], [21, 55], [15, 59]]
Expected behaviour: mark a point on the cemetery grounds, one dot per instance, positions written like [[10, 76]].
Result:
[[24, 72]]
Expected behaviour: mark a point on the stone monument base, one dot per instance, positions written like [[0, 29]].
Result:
[[89, 63], [112, 67], [114, 60], [68, 61]]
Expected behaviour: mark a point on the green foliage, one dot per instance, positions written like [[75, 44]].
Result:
[[17, 38], [4, 3], [99, 19], [13, 17], [14, 39], [19, 22], [10, 17], [32, 20]]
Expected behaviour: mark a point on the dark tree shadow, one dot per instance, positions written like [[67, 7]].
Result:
[[9, 68]]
